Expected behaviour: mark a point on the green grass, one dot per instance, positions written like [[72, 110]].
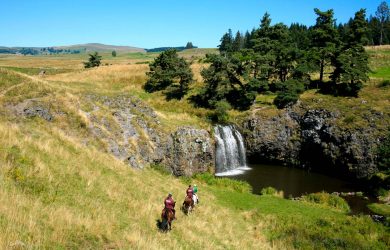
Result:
[[305, 226], [298, 224], [8, 79], [327, 200], [383, 73], [382, 209]]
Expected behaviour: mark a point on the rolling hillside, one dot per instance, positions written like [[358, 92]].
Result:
[[101, 48], [60, 188]]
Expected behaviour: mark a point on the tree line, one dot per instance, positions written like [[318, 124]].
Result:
[[273, 58]]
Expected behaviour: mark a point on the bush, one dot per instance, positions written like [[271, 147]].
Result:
[[327, 200], [272, 191], [93, 61], [340, 89], [220, 114], [384, 83], [284, 99], [288, 92], [347, 89]]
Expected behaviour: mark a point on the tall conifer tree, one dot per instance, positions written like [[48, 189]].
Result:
[[324, 40]]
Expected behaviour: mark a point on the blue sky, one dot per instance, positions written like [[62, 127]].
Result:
[[153, 23]]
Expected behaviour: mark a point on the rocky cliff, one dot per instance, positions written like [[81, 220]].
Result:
[[132, 132], [313, 138], [298, 136]]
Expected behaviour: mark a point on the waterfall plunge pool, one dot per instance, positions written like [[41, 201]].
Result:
[[297, 182], [231, 163]]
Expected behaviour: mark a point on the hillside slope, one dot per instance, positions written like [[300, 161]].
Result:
[[59, 188], [101, 48], [58, 193]]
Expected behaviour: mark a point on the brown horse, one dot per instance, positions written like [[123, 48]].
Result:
[[188, 205], [166, 218]]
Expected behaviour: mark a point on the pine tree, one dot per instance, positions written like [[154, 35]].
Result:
[[189, 45], [93, 61], [247, 40], [113, 53], [382, 14], [324, 40], [374, 31], [238, 42], [283, 51], [299, 35], [171, 73], [226, 45], [263, 57], [351, 63], [225, 81]]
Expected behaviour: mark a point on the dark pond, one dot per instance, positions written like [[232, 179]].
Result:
[[297, 182]]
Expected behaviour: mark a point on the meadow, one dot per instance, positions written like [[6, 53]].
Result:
[[56, 192]]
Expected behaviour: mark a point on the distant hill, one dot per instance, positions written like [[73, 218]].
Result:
[[71, 49], [88, 47]]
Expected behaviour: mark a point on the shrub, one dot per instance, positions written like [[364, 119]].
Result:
[[288, 92], [220, 114], [327, 200], [284, 99], [272, 191], [347, 89], [93, 61], [384, 83]]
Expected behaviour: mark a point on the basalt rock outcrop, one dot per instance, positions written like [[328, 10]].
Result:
[[190, 151], [132, 132], [312, 138], [273, 139], [30, 108]]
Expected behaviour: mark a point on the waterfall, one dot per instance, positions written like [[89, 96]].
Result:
[[230, 151]]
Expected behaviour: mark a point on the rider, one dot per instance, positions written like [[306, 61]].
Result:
[[196, 194], [170, 205], [190, 192]]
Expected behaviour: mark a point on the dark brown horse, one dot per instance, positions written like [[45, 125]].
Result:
[[166, 218], [188, 205]]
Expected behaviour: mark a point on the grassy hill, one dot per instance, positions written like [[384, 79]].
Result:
[[58, 192], [88, 47]]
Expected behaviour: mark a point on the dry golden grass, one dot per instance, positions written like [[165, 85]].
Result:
[[57, 193], [87, 199], [134, 74], [376, 48], [41, 62]]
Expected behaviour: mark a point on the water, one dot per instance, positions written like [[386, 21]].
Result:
[[230, 156], [297, 182]]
